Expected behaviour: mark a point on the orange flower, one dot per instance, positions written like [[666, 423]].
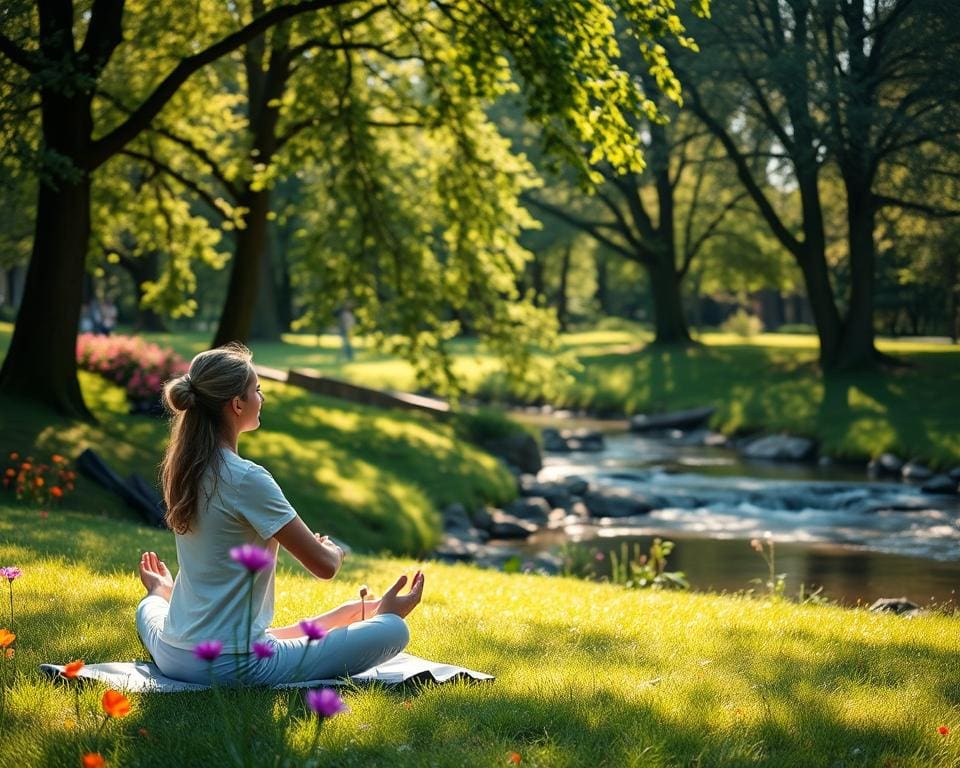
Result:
[[38, 481], [115, 704], [8, 654], [515, 758], [14, 456], [93, 760], [57, 458], [56, 492], [26, 466], [11, 472], [6, 637], [73, 668], [943, 730]]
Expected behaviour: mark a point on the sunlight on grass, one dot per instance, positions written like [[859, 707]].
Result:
[[593, 675]]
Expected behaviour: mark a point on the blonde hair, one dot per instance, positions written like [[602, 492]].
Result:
[[195, 402]]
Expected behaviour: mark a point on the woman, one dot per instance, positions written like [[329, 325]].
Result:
[[218, 502]]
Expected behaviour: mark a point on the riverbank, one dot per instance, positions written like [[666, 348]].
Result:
[[587, 674], [373, 478]]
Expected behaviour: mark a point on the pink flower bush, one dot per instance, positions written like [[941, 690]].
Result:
[[140, 367]]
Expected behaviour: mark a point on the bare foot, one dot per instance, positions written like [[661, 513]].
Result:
[[155, 576]]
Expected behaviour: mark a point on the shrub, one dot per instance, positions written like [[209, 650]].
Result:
[[742, 323], [138, 366]]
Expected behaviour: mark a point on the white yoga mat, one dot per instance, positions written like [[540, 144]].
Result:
[[145, 676]]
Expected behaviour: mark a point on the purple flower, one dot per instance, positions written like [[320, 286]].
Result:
[[263, 650], [208, 650], [325, 702], [10, 573], [252, 558], [313, 629]]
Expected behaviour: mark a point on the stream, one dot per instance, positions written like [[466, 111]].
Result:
[[833, 529]]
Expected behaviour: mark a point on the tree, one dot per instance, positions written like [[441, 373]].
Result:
[[562, 53], [847, 83]]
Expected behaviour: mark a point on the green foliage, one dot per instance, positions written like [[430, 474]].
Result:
[[743, 324], [633, 569]]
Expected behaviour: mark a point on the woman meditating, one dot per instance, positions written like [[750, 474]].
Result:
[[218, 502]]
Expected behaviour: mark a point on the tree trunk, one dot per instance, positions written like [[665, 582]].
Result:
[[562, 311], [41, 363], [857, 347], [266, 315], [826, 317], [669, 322], [236, 320], [142, 270], [602, 294]]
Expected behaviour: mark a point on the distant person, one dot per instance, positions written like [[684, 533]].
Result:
[[108, 317], [86, 320], [345, 323], [219, 503]]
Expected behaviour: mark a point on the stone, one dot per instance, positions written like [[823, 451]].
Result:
[[567, 440], [885, 465], [617, 502], [579, 509], [520, 450], [556, 493], [916, 472], [940, 484], [684, 420], [553, 442], [455, 517], [898, 605], [779, 448], [506, 526], [576, 486], [453, 549], [532, 508], [483, 518]]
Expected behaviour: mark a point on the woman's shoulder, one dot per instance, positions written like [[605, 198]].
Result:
[[243, 471]]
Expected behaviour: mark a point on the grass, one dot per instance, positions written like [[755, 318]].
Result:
[[768, 383], [587, 674], [372, 478]]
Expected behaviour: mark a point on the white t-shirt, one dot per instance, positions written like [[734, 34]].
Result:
[[211, 595]]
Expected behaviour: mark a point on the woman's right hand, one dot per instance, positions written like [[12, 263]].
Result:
[[401, 605]]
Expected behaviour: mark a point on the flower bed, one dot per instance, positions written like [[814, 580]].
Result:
[[140, 367]]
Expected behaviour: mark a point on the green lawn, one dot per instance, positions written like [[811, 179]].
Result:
[[374, 478], [587, 674], [770, 382]]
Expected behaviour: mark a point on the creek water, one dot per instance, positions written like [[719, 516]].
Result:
[[832, 529]]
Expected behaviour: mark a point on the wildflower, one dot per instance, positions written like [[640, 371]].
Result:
[[598, 556], [11, 472], [57, 459], [10, 573], [262, 650], [72, 669], [756, 544], [44, 514], [69, 724], [252, 558], [313, 629], [8, 654], [325, 702], [6, 638], [208, 650], [26, 466], [515, 758], [93, 760], [115, 704], [14, 456], [56, 491], [943, 730], [38, 481]]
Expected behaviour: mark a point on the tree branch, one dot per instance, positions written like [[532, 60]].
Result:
[[16, 54], [884, 201], [164, 168], [590, 227], [107, 146], [104, 34]]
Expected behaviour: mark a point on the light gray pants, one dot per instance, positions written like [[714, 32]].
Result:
[[344, 651]]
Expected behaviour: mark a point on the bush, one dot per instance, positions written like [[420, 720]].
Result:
[[138, 366], [743, 324], [796, 328]]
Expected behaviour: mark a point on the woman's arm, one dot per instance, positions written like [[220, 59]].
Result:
[[317, 554]]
